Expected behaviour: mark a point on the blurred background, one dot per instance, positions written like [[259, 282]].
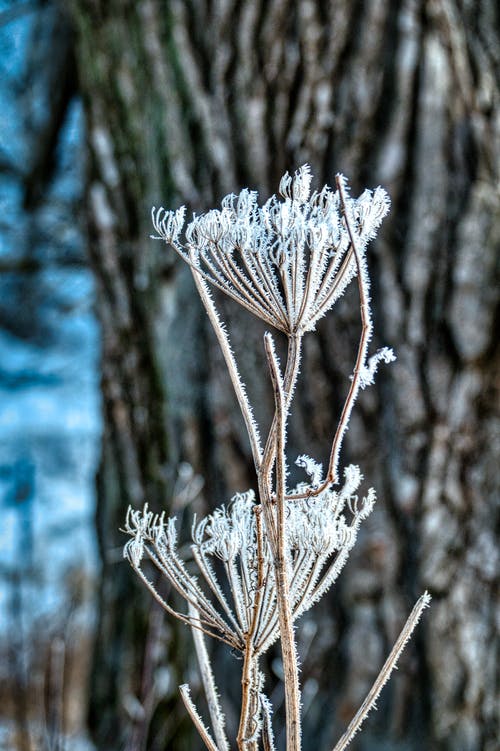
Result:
[[112, 390]]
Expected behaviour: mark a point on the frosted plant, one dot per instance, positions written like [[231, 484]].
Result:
[[257, 564], [319, 539], [287, 261]]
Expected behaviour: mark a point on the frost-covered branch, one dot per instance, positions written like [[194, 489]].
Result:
[[384, 675]]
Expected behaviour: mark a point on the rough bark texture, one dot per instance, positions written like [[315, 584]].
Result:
[[187, 101]]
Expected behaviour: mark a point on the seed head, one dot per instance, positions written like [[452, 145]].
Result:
[[287, 261]]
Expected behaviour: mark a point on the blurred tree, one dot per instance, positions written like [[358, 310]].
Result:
[[187, 101]]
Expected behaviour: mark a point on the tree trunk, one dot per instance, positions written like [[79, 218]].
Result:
[[187, 101]]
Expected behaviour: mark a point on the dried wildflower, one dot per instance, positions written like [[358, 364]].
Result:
[[319, 541], [287, 261], [259, 563]]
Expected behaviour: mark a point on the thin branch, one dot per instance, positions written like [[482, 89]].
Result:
[[215, 278], [288, 648], [211, 693], [221, 279], [226, 638], [211, 579], [239, 388], [267, 727], [328, 578], [197, 721], [288, 386], [173, 570], [250, 664], [385, 673], [366, 332], [236, 587], [260, 573]]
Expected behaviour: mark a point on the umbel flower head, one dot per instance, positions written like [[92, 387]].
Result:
[[233, 542], [287, 261]]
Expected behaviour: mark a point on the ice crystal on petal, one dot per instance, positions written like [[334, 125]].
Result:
[[353, 479], [372, 208], [298, 187]]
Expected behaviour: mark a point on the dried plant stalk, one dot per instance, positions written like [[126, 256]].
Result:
[[208, 681], [288, 647], [384, 675], [197, 721], [286, 262]]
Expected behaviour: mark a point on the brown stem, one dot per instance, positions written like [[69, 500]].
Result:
[[366, 329], [249, 675], [289, 381], [288, 649], [246, 691]]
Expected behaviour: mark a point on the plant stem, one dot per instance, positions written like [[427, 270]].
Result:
[[250, 673], [385, 673], [207, 678], [239, 388], [288, 386], [288, 649], [366, 332], [248, 678], [195, 717]]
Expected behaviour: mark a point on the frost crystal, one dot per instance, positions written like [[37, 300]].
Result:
[[320, 538], [287, 261]]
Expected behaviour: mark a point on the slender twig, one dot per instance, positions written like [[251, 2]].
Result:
[[239, 388], [288, 648], [385, 673], [173, 570], [289, 382], [366, 332], [227, 638], [249, 671], [236, 587], [231, 287], [197, 721], [267, 727], [191, 592], [211, 579], [260, 572], [207, 678]]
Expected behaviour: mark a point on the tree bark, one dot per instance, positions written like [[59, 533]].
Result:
[[187, 101]]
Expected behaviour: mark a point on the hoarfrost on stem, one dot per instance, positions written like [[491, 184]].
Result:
[[320, 536], [257, 564]]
